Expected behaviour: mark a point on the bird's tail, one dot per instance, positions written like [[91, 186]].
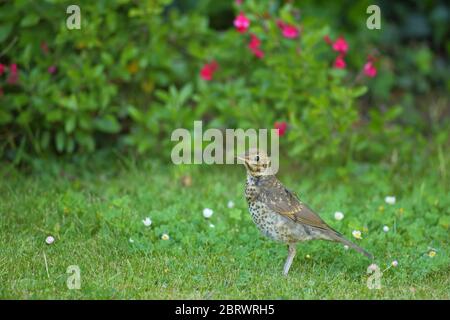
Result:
[[340, 238]]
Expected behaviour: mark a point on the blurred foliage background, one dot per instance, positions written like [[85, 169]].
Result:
[[132, 74]]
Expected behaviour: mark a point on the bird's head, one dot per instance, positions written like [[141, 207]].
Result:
[[257, 162]]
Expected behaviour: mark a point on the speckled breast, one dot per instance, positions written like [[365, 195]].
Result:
[[275, 226], [267, 222], [272, 224]]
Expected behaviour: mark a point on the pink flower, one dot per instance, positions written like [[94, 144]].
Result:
[[207, 72], [370, 70], [51, 69], [281, 126], [242, 23], [289, 31], [2, 69], [340, 45], [258, 53], [13, 74], [238, 2], [254, 41], [339, 63], [254, 46]]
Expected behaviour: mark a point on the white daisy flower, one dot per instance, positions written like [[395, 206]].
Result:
[[390, 200], [211, 225], [394, 263], [338, 215], [346, 247], [131, 240], [147, 222], [207, 213], [165, 236], [357, 234], [385, 228], [49, 240], [230, 204]]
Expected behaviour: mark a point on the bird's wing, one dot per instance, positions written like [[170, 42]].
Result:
[[284, 202]]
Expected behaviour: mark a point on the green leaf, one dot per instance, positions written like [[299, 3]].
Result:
[[5, 30], [54, 115], [24, 118], [85, 140], [70, 145], [5, 117], [135, 113], [185, 93], [444, 221], [30, 20], [359, 91], [107, 124], [70, 124], [236, 214], [60, 141], [394, 112], [45, 140]]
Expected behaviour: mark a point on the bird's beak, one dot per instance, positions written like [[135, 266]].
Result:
[[242, 157]]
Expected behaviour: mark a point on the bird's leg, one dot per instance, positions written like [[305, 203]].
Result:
[[291, 255]]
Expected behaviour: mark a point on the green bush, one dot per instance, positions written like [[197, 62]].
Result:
[[413, 48], [101, 71], [131, 76]]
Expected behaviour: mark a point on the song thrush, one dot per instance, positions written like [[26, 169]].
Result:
[[279, 214]]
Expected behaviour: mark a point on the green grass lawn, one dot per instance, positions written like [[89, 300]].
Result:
[[96, 213]]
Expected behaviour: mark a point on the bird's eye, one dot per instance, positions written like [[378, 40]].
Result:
[[257, 158]]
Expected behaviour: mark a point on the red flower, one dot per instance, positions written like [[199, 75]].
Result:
[[44, 47], [254, 46], [2, 69], [241, 22], [340, 45], [328, 40], [13, 74], [289, 31], [339, 63], [51, 69], [281, 126], [207, 72], [370, 70]]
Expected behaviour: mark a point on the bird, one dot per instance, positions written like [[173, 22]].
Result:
[[278, 212]]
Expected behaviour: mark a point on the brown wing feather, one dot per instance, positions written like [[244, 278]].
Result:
[[284, 202]]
